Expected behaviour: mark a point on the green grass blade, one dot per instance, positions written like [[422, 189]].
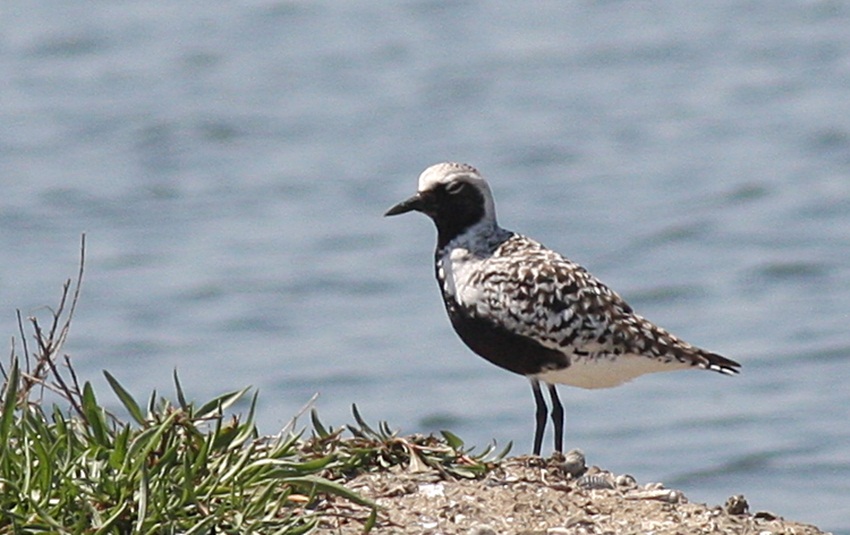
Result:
[[452, 440], [504, 453], [321, 432], [108, 524], [364, 427], [369, 525], [10, 402], [94, 416], [144, 488], [152, 403], [218, 404], [247, 429], [126, 399], [181, 399], [320, 484], [147, 440]]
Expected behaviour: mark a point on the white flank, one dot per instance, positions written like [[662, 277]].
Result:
[[608, 372]]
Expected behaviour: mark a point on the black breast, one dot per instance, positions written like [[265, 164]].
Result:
[[503, 348]]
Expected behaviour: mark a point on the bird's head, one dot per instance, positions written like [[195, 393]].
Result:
[[454, 195]]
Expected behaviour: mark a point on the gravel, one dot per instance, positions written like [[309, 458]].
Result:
[[531, 495]]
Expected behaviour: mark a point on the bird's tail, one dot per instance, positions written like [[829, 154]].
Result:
[[718, 363]]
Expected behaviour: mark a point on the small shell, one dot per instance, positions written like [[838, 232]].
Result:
[[595, 482]]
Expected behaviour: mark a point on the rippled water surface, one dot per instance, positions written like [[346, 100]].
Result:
[[230, 162]]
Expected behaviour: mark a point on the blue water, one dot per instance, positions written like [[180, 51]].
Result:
[[230, 162]]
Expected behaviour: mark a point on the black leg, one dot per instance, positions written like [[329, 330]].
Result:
[[557, 419], [540, 415]]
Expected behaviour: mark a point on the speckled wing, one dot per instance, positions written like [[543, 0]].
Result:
[[535, 292]]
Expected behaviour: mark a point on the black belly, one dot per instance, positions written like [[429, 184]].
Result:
[[506, 349]]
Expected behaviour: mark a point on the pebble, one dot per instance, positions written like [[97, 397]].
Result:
[[432, 490], [574, 463], [482, 530], [662, 495], [737, 505], [626, 481]]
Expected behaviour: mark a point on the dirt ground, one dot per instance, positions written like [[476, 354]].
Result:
[[530, 495]]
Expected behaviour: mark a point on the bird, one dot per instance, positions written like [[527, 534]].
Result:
[[532, 311]]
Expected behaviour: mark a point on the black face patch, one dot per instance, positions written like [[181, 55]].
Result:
[[454, 207]]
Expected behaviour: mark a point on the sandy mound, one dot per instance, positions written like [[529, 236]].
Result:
[[530, 495]]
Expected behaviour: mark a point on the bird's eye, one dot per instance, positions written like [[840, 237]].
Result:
[[453, 188]]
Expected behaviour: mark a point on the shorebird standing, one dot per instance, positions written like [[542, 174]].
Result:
[[531, 311]]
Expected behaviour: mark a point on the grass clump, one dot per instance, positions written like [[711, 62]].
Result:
[[371, 450], [68, 465]]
